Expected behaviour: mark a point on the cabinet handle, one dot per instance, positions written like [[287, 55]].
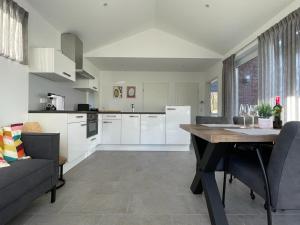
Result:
[[152, 116], [83, 125], [134, 116], [95, 88], [171, 109], [106, 122], [79, 116], [67, 74], [111, 116], [93, 139]]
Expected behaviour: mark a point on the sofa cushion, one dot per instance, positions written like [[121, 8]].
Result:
[[3, 163], [13, 146], [23, 176]]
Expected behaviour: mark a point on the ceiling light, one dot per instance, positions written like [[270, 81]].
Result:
[[207, 5], [105, 4]]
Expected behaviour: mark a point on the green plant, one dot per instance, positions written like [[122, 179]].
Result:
[[265, 110]]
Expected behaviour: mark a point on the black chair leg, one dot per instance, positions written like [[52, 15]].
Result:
[[224, 188], [53, 194], [230, 179], [267, 187], [252, 195]]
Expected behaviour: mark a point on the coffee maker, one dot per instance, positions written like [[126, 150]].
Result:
[[55, 102]]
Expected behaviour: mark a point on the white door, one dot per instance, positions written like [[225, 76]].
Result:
[[111, 132], [188, 94], [77, 142], [131, 129], [153, 129], [176, 115], [156, 96]]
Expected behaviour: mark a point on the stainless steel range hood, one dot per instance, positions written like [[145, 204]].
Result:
[[72, 47]]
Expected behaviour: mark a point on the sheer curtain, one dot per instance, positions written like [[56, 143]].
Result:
[[279, 63], [13, 31], [229, 89]]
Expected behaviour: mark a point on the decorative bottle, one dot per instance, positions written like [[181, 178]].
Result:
[[277, 109]]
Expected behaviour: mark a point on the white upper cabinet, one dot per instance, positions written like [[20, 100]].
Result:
[[87, 84], [51, 64]]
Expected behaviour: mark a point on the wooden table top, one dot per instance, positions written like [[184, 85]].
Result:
[[221, 135]]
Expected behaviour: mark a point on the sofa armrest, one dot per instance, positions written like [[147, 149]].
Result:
[[43, 146]]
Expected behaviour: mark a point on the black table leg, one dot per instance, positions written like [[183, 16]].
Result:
[[199, 147], [208, 156], [213, 199]]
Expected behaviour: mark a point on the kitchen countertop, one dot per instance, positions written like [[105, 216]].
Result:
[[80, 112]]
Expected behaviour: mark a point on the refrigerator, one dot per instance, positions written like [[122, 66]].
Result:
[[176, 115]]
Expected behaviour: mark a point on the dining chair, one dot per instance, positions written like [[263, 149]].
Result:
[[276, 180]]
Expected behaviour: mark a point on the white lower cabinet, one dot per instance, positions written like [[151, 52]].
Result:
[[153, 129], [131, 129], [111, 131], [77, 143]]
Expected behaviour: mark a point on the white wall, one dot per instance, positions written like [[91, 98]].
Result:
[[137, 78], [153, 43], [14, 76]]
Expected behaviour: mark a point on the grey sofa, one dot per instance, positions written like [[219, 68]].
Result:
[[25, 180]]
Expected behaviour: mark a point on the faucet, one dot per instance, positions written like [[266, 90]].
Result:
[[132, 108]]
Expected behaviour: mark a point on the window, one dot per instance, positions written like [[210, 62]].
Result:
[[247, 82], [13, 31], [213, 95]]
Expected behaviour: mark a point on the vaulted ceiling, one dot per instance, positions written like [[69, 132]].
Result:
[[218, 25]]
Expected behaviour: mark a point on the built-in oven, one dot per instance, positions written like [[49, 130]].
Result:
[[92, 124]]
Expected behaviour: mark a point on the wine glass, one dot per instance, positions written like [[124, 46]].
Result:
[[253, 112], [244, 109]]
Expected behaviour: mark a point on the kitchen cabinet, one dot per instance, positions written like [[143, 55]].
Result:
[[77, 142], [87, 84], [51, 64], [153, 129], [111, 129], [131, 124], [176, 115], [100, 118]]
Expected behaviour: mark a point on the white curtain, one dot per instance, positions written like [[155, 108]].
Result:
[[13, 31], [279, 63]]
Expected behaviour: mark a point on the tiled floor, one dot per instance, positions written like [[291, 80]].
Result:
[[141, 188]]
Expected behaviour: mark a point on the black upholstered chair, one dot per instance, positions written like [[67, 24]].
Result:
[[277, 179], [211, 120]]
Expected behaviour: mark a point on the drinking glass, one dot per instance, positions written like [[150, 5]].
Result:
[[253, 113], [244, 109]]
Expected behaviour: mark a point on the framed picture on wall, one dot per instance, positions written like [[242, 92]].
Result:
[[117, 91], [131, 91]]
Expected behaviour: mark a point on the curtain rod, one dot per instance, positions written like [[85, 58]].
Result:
[[245, 46]]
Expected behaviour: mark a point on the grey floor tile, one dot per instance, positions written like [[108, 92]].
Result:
[[142, 188]]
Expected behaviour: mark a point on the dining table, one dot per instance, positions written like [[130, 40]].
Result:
[[212, 143]]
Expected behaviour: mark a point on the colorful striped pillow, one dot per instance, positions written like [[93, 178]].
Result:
[[3, 163], [13, 146]]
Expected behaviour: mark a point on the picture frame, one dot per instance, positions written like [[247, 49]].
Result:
[[117, 92], [131, 91]]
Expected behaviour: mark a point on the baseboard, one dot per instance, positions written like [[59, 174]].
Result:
[[154, 148]]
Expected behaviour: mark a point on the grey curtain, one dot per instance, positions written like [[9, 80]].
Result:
[[13, 31], [279, 63], [229, 89]]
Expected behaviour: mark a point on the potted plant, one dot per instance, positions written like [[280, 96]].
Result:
[[265, 113]]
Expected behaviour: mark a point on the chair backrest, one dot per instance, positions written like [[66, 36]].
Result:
[[240, 120], [284, 168], [211, 120]]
